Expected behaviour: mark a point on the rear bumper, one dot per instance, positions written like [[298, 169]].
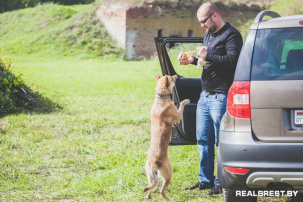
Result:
[[259, 180], [269, 163]]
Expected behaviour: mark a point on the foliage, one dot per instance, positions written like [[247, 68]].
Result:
[[9, 5], [15, 95], [283, 7], [287, 7], [69, 2]]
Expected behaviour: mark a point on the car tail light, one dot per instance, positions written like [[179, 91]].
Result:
[[238, 102], [240, 171]]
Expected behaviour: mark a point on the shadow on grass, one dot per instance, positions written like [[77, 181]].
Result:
[[43, 106], [31, 111], [23, 100]]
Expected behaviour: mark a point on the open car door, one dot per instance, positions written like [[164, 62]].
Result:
[[188, 86]]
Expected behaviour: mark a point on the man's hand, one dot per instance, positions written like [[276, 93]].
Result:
[[186, 58], [202, 52]]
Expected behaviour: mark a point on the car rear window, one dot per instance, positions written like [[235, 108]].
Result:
[[278, 54], [244, 63]]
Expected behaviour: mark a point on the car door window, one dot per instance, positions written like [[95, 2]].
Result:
[[189, 71]]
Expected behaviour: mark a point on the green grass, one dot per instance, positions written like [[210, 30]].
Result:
[[56, 30], [95, 148]]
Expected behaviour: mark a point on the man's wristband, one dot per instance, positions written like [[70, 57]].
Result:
[[195, 60]]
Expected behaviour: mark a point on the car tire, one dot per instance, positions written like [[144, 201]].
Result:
[[230, 196]]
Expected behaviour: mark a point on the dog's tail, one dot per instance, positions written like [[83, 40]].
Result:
[[154, 184]]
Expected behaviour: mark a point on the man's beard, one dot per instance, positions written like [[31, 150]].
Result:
[[212, 28]]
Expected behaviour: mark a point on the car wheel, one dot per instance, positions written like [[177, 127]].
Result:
[[230, 196]]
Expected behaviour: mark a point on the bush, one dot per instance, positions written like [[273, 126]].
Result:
[[287, 7], [9, 5], [16, 96]]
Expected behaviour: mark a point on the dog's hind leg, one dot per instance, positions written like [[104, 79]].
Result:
[[152, 179], [164, 187], [166, 174]]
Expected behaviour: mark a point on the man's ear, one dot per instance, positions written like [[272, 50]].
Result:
[[157, 77], [165, 81]]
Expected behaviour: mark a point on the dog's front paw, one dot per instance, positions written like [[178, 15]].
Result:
[[187, 101]]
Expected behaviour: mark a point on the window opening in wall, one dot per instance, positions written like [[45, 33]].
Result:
[[190, 33], [160, 33], [172, 44]]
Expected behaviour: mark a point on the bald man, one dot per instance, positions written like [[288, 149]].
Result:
[[222, 44]]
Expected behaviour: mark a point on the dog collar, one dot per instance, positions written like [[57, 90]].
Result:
[[163, 96]]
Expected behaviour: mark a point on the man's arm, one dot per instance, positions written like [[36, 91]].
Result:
[[233, 47]]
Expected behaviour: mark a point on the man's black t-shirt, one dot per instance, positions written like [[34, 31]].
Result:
[[223, 49]]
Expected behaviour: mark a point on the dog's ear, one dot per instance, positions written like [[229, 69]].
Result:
[[157, 77], [165, 81]]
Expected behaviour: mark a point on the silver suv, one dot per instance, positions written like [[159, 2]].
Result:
[[261, 138]]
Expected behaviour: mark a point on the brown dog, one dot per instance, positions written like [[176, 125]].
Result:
[[163, 115]]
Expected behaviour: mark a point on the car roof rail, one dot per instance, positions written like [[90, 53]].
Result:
[[262, 14]]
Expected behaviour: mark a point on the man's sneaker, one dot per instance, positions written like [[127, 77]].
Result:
[[216, 190], [198, 185]]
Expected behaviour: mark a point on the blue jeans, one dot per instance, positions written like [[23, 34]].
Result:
[[210, 109]]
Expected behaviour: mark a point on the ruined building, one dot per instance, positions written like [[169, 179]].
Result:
[[134, 28]]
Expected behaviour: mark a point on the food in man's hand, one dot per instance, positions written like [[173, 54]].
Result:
[[184, 55]]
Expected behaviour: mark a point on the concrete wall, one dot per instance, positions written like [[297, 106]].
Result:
[[114, 20], [134, 28], [145, 23]]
